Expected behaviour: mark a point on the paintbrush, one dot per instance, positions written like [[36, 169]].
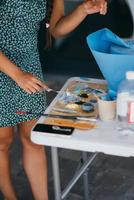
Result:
[[82, 118]]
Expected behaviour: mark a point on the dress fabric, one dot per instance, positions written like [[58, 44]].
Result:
[[19, 25]]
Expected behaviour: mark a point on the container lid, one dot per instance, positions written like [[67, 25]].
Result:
[[130, 75]]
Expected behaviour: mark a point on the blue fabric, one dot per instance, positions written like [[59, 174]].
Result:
[[113, 55], [114, 49]]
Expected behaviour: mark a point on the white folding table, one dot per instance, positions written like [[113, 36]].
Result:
[[105, 139]]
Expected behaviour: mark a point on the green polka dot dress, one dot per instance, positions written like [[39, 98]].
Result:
[[19, 25]]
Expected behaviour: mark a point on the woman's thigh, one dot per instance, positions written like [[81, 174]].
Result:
[[25, 131], [6, 137]]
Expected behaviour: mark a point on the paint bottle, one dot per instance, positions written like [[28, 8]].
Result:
[[125, 104]]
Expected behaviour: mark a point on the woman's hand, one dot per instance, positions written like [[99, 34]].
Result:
[[95, 6], [29, 83], [26, 81]]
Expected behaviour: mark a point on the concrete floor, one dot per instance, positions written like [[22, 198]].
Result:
[[110, 177]]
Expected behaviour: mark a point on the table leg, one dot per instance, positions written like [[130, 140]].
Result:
[[56, 173], [85, 178], [78, 174]]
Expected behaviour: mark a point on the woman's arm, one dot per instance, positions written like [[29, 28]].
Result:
[[61, 25], [7, 67], [26, 81]]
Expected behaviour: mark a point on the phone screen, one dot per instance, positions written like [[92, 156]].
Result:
[[53, 129]]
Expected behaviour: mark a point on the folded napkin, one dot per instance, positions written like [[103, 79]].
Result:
[[113, 55]]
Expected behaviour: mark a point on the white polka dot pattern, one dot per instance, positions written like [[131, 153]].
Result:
[[19, 25]]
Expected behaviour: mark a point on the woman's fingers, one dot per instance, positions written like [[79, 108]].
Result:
[[103, 11], [103, 7], [41, 84], [36, 86], [28, 91], [94, 6]]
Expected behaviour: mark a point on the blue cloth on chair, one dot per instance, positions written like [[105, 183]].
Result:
[[113, 55]]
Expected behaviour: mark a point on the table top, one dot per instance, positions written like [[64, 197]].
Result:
[[105, 138]]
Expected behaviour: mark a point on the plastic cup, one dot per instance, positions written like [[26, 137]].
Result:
[[106, 109]]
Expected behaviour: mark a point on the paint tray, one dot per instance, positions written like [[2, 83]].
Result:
[[62, 106]]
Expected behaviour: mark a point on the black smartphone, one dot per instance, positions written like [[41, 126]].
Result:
[[54, 129]]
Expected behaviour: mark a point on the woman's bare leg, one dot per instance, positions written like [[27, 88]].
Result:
[[35, 164], [6, 138]]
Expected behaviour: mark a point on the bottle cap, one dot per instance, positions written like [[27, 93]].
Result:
[[130, 75]]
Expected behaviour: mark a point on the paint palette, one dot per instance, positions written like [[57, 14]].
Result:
[[80, 98]]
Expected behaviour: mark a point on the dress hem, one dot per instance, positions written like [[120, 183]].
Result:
[[18, 122]]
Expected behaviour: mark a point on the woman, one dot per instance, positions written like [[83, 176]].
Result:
[[22, 87]]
